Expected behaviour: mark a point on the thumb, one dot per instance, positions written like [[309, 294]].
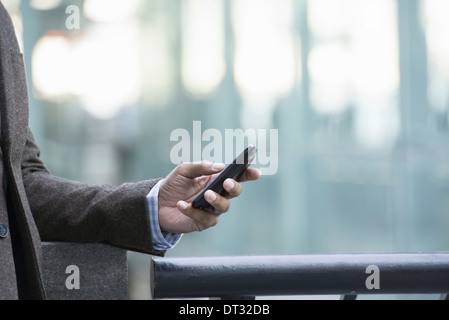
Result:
[[198, 169]]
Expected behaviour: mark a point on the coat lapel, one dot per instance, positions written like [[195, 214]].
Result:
[[14, 93], [14, 130], [14, 107]]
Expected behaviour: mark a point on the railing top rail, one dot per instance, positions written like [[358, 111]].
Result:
[[333, 274]]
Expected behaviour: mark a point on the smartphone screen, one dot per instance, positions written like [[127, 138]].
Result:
[[233, 171]]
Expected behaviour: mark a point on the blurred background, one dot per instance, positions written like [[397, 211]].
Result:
[[358, 90]]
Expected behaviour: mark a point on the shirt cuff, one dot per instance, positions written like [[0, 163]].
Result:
[[161, 240]]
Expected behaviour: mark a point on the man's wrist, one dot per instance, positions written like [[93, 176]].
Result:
[[161, 240]]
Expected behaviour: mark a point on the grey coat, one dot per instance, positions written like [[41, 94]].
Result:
[[42, 207]]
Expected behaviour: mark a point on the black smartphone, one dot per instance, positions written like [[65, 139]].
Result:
[[233, 171]]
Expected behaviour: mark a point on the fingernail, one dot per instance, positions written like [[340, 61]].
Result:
[[231, 184], [211, 196], [182, 205]]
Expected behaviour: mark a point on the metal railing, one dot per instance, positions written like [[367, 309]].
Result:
[[347, 275]]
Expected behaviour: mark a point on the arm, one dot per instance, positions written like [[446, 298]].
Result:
[[71, 211], [161, 240]]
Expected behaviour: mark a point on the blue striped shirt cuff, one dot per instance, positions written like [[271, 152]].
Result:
[[161, 240]]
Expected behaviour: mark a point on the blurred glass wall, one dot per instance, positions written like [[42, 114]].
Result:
[[357, 89]]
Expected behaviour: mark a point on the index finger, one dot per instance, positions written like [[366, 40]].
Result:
[[198, 169]]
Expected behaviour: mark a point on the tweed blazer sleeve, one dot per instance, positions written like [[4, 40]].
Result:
[[72, 211]]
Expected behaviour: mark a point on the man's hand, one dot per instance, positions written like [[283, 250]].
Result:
[[183, 184]]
